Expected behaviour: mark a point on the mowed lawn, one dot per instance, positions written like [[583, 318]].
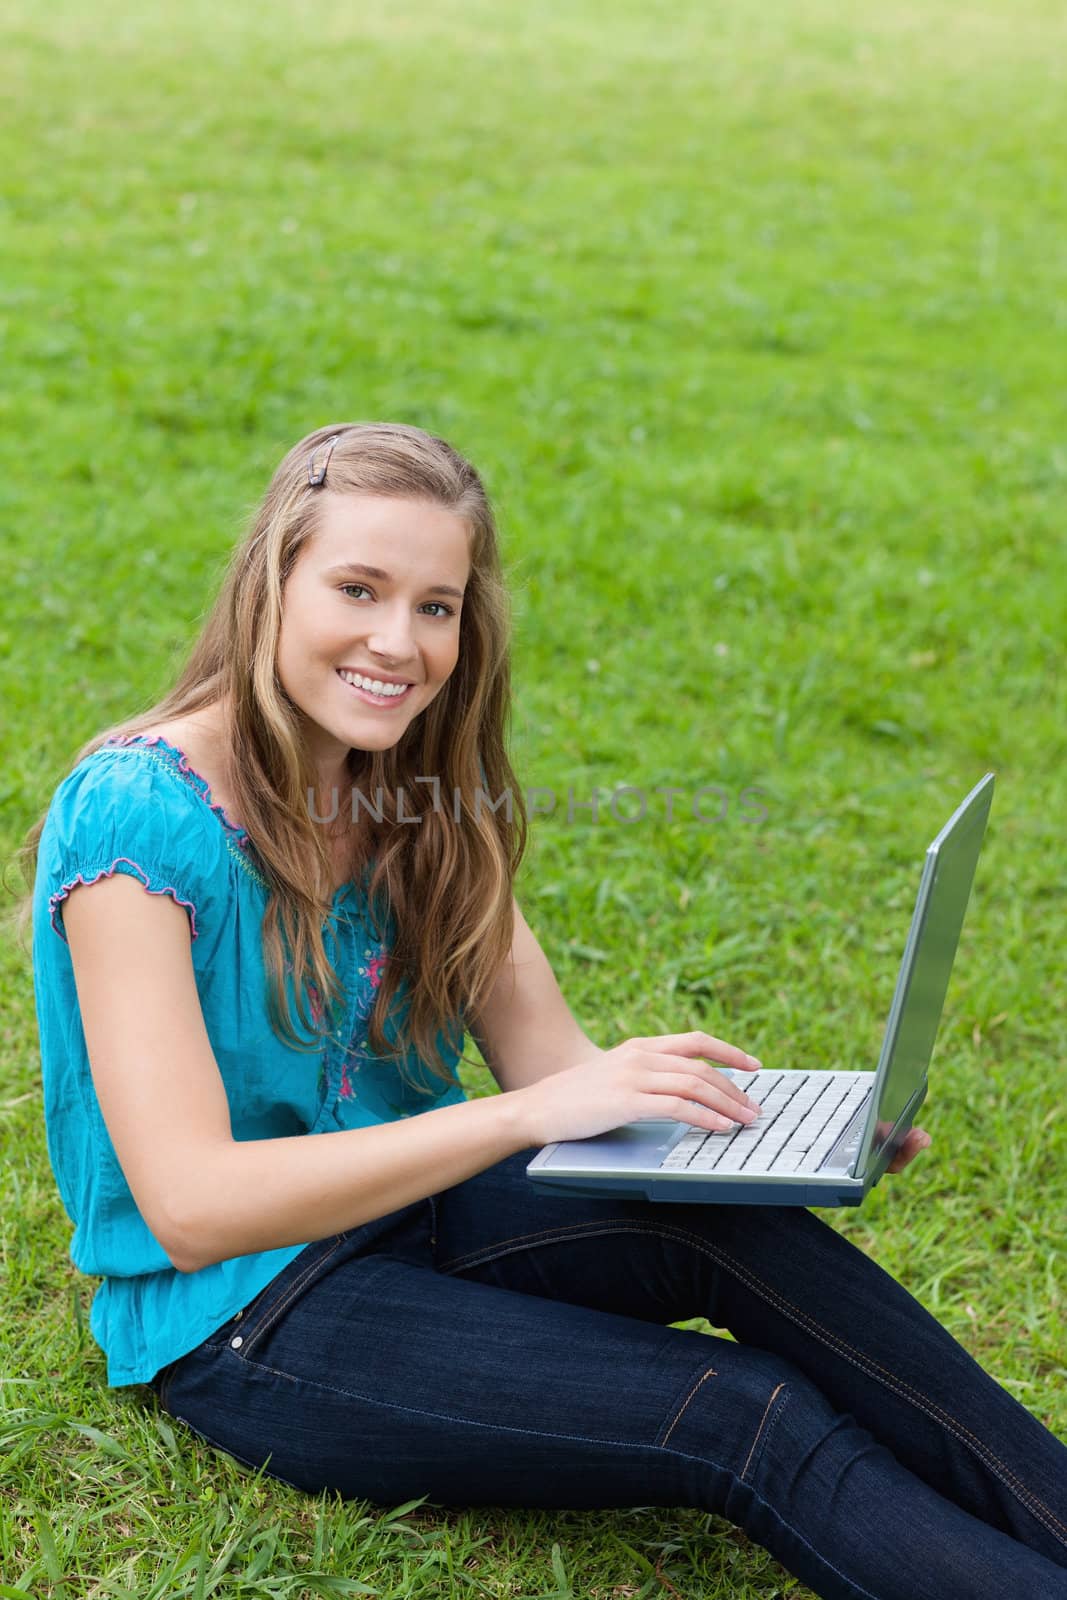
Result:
[[753, 320]]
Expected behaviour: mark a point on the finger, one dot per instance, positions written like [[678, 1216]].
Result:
[[704, 1044], [702, 1074], [730, 1108], [916, 1141]]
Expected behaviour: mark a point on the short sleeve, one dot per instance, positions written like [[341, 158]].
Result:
[[120, 812]]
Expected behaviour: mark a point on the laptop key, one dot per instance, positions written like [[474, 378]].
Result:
[[690, 1141], [731, 1163], [788, 1163]]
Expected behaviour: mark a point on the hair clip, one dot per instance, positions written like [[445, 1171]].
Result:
[[316, 478]]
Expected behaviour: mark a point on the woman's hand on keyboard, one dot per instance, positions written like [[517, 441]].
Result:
[[915, 1139], [665, 1075]]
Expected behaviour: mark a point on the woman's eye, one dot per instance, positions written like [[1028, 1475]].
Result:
[[442, 609]]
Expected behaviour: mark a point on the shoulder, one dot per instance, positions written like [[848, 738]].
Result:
[[121, 811], [113, 777], [121, 801]]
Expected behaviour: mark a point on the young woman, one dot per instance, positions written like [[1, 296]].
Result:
[[266, 913]]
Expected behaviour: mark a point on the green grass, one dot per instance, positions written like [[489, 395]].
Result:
[[753, 319]]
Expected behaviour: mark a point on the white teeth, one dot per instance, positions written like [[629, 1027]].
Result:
[[374, 685]]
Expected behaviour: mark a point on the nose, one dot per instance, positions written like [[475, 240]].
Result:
[[391, 637]]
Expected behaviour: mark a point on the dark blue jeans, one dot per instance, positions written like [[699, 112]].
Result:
[[494, 1345]]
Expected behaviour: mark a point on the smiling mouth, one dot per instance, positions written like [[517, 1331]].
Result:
[[369, 697]]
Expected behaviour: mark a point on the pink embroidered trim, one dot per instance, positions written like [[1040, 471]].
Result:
[[183, 766], [364, 1006], [62, 894]]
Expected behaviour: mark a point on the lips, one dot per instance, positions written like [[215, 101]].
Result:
[[380, 702], [367, 672]]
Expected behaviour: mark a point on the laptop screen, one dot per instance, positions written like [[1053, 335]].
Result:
[[922, 983]]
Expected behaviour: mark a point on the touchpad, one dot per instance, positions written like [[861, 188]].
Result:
[[634, 1147]]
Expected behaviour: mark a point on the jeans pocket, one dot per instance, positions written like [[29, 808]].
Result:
[[270, 1305]]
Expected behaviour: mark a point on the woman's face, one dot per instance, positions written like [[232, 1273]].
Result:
[[377, 591]]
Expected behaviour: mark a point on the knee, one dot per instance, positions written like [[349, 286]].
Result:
[[745, 1403]]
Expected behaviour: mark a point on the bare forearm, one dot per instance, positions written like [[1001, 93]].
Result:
[[551, 1054], [265, 1193]]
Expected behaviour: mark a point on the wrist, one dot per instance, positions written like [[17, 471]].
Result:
[[513, 1117]]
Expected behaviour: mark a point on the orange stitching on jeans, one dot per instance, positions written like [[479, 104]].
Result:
[[711, 1373], [271, 1316], [890, 1379], [547, 1236], [1033, 1504], [923, 1402], [759, 1430]]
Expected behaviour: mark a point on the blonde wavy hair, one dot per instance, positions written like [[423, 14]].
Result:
[[447, 880]]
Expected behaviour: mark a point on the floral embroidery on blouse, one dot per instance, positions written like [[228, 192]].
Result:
[[370, 968], [316, 1003], [374, 959]]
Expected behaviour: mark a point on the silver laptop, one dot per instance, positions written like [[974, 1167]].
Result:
[[821, 1138]]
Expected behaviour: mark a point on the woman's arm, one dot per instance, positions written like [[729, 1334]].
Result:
[[525, 1029], [203, 1195]]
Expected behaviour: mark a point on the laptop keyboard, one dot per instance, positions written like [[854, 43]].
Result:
[[802, 1117]]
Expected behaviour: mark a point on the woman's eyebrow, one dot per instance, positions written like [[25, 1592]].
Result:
[[384, 577]]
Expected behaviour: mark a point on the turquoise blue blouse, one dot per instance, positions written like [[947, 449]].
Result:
[[136, 806]]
